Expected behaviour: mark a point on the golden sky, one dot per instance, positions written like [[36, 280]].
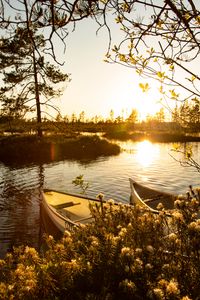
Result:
[[96, 86]]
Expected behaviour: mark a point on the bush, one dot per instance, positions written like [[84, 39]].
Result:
[[127, 253]]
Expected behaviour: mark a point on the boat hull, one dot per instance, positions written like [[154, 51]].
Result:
[[67, 211], [149, 198]]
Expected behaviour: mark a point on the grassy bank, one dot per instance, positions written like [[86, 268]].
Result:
[[24, 149], [160, 137]]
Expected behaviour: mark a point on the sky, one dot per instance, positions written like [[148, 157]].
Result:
[[97, 87]]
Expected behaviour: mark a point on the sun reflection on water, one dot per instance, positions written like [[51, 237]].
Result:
[[146, 153]]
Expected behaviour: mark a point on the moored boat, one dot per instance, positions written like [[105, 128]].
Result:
[[149, 198], [66, 210]]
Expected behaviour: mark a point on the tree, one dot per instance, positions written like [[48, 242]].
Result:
[[133, 117], [28, 79], [111, 119], [82, 117], [160, 115], [160, 41], [160, 38]]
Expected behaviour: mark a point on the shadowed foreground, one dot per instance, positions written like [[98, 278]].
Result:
[[127, 253]]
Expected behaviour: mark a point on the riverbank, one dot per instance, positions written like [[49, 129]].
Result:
[[30, 149], [159, 137]]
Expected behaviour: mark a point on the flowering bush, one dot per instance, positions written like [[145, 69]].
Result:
[[127, 253]]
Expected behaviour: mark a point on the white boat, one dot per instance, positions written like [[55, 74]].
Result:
[[67, 210], [149, 198]]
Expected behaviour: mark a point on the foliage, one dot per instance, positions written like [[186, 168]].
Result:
[[159, 42], [28, 79], [127, 253], [80, 182], [187, 159], [188, 114]]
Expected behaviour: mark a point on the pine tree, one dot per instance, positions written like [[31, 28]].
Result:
[[28, 78]]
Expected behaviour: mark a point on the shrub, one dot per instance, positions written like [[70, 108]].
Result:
[[127, 253]]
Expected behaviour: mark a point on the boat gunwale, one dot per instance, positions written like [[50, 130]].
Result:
[[74, 195], [55, 212], [143, 203]]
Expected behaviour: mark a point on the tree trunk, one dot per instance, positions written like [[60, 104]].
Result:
[[37, 98]]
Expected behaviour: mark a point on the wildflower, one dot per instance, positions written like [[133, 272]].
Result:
[[31, 252], [128, 285], [179, 203], [163, 283], [178, 216], [178, 242], [129, 226], [150, 249], [172, 236], [116, 239], [157, 222], [30, 284], [59, 247], [125, 250], [111, 201], [2, 263], [138, 251], [138, 263], [194, 202], [100, 196], [3, 289], [95, 243], [123, 232], [194, 226], [67, 233], [81, 225], [158, 293], [67, 240], [172, 288], [74, 263], [160, 206], [166, 267], [127, 269], [148, 266], [10, 287]]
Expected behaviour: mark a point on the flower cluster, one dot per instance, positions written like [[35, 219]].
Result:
[[126, 253]]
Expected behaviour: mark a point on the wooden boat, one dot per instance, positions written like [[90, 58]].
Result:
[[66, 210], [149, 198]]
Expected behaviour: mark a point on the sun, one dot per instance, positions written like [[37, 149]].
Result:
[[146, 106], [131, 96]]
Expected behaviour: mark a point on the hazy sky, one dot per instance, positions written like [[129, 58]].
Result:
[[96, 86]]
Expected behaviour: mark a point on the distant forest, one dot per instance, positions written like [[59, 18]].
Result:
[[185, 118]]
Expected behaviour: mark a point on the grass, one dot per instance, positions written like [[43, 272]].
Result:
[[24, 149]]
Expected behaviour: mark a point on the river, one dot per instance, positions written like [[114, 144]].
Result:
[[21, 186]]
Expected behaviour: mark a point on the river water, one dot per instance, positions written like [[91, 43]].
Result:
[[21, 186]]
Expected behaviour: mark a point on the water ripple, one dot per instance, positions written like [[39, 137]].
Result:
[[20, 187]]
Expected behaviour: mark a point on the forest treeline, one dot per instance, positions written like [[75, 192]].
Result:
[[183, 119]]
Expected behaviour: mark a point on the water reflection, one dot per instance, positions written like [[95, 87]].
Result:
[[20, 221], [146, 153], [21, 186]]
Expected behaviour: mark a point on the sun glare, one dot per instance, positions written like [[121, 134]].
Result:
[[146, 153], [132, 97]]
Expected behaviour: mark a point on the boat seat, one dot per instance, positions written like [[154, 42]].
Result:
[[65, 205], [157, 197]]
